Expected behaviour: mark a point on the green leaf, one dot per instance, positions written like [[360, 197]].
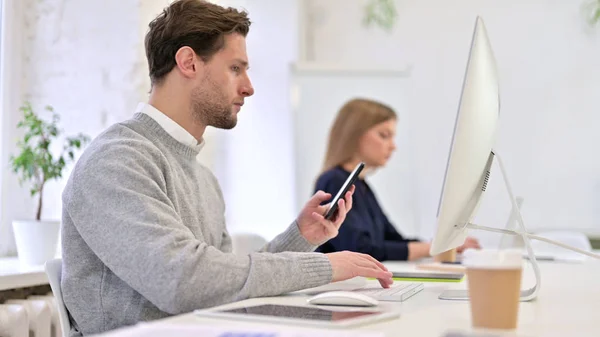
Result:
[[380, 12], [34, 163]]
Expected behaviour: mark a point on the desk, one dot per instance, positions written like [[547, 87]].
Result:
[[568, 304]]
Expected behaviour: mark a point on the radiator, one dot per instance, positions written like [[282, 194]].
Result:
[[38, 314], [13, 321], [55, 321]]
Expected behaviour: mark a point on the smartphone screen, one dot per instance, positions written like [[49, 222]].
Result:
[[347, 184]]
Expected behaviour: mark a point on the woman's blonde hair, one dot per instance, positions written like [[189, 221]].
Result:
[[351, 123]]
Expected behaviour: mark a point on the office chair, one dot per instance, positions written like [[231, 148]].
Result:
[[54, 270]]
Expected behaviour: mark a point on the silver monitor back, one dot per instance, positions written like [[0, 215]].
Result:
[[470, 157]]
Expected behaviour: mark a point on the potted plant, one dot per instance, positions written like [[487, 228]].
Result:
[[36, 165], [591, 10], [381, 13]]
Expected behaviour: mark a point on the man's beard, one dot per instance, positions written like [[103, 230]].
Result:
[[211, 108]]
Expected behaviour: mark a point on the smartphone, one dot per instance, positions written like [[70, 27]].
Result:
[[342, 192]]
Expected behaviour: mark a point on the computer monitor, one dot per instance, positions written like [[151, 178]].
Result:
[[470, 161], [471, 156]]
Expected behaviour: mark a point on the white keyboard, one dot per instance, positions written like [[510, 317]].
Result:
[[399, 292]]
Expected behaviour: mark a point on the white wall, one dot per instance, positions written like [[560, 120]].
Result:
[[548, 62], [86, 59], [258, 171], [10, 97], [318, 95]]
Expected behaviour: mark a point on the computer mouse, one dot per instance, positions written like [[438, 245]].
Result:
[[345, 298]]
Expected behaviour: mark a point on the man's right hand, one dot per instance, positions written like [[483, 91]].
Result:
[[347, 265]]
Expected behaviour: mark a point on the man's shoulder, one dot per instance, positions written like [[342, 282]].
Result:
[[117, 153], [119, 145], [120, 139]]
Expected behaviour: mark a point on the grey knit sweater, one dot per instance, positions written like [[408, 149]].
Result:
[[144, 236]]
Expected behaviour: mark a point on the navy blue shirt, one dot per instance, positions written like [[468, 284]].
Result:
[[366, 228]]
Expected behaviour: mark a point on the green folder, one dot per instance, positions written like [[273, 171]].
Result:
[[426, 279], [410, 279], [427, 276]]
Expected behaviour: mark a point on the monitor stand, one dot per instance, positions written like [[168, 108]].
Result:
[[527, 294]]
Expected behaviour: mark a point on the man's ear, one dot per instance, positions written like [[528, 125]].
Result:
[[185, 60]]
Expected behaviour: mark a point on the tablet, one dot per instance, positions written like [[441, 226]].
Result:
[[333, 205], [303, 315]]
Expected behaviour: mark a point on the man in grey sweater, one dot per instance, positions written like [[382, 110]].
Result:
[[143, 228]]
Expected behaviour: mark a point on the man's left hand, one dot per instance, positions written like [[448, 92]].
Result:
[[312, 224]]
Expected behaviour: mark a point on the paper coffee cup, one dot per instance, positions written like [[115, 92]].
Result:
[[494, 281], [447, 256]]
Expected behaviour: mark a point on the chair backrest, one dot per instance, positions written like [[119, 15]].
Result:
[[54, 270], [246, 243], [570, 238]]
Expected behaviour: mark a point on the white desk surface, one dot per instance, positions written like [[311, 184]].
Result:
[[568, 304], [13, 275]]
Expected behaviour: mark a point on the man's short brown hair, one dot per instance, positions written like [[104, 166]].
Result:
[[197, 24]]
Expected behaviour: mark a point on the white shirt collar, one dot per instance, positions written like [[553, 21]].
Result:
[[170, 126]]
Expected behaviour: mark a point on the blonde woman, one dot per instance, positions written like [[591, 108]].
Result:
[[364, 130]]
